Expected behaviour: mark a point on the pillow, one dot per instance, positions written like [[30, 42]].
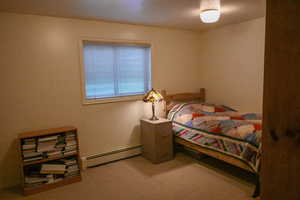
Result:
[[184, 118], [206, 108], [245, 130], [171, 104]]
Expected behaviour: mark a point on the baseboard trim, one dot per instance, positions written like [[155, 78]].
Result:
[[113, 156], [105, 163]]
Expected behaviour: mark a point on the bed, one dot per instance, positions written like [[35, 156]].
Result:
[[215, 130]]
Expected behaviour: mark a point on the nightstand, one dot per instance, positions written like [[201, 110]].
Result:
[[157, 140]]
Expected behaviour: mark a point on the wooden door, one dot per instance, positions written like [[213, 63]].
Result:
[[280, 172]]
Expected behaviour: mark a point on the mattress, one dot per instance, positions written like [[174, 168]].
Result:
[[221, 129]]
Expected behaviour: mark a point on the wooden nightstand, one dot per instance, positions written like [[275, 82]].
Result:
[[157, 140]]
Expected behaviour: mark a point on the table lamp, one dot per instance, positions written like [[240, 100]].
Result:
[[153, 96]]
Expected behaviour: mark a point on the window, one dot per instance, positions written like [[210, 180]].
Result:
[[115, 71]]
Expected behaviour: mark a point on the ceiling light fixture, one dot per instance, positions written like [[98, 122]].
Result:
[[210, 11]]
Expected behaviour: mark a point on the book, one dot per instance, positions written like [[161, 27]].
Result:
[[70, 133], [61, 145], [33, 158], [70, 137], [72, 167], [31, 154], [71, 143], [29, 141], [46, 139], [46, 149], [71, 147], [52, 142], [72, 170], [50, 178], [54, 153], [28, 151], [69, 152], [69, 161], [53, 169], [28, 146], [35, 179], [69, 175]]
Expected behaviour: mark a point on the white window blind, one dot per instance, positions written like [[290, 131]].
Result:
[[116, 70]]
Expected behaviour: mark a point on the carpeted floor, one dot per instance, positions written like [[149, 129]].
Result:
[[137, 179]]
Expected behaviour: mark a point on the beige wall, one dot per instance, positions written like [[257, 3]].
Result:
[[232, 61], [40, 78], [40, 81]]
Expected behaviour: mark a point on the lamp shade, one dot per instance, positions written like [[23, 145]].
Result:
[[153, 96]]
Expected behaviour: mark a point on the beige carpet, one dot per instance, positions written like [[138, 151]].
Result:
[[137, 179]]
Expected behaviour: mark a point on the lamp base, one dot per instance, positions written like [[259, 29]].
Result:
[[153, 118]]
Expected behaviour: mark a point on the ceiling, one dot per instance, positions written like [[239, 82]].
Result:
[[183, 14]]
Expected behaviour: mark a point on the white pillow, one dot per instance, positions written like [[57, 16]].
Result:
[[184, 118], [245, 130], [206, 108]]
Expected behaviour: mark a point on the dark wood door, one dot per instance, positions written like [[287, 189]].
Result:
[[280, 172]]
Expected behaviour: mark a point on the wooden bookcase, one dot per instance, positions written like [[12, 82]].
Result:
[[44, 133]]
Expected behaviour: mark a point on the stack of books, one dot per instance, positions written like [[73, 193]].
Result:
[[70, 143], [40, 179], [58, 147], [53, 169], [51, 172], [47, 144], [29, 150], [33, 177], [35, 180], [72, 168], [48, 147]]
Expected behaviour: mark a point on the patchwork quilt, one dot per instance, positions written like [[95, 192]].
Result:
[[220, 128]]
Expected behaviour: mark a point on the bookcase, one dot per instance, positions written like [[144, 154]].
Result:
[[49, 159]]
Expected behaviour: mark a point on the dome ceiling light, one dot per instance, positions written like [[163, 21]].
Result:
[[210, 11]]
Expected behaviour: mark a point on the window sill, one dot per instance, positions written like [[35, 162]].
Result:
[[112, 100]]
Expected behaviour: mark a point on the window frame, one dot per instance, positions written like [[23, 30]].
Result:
[[85, 100]]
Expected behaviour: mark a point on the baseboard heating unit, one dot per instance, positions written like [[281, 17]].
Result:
[[104, 158]]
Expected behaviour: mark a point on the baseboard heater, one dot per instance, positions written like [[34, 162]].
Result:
[[104, 158]]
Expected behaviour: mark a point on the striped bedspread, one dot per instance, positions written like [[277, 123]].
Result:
[[221, 129]]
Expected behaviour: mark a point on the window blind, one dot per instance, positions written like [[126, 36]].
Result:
[[116, 70]]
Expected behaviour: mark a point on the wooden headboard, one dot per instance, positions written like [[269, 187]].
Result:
[[182, 97]]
